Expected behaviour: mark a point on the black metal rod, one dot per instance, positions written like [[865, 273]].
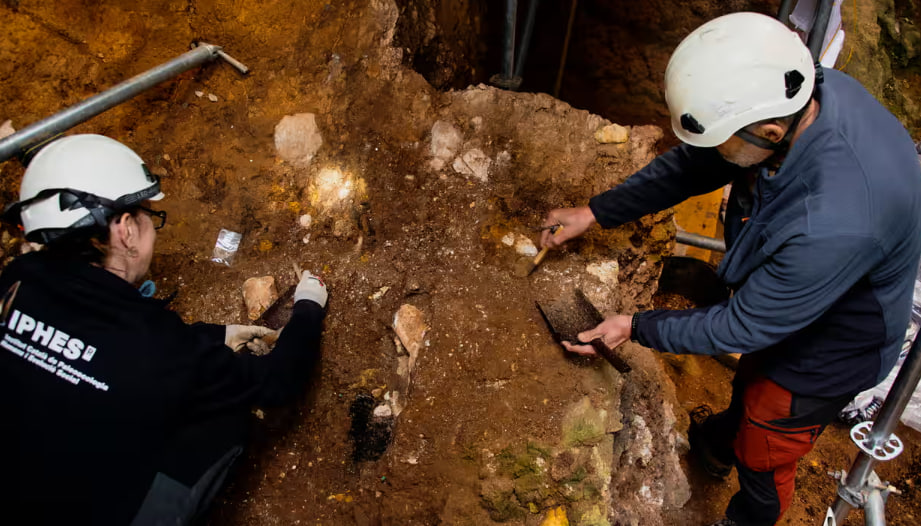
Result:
[[888, 418], [559, 76], [819, 26], [508, 57], [786, 7], [526, 38], [89, 108]]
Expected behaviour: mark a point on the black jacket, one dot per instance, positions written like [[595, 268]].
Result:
[[98, 383]]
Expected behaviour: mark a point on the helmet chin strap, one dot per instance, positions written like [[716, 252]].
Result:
[[780, 147]]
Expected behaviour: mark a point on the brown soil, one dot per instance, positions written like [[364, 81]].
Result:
[[491, 386]]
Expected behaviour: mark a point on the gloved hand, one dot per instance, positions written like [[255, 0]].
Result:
[[239, 336], [311, 288]]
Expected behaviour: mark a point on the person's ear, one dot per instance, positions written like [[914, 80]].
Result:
[[123, 231], [771, 131]]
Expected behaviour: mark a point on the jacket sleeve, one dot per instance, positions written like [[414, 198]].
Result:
[[796, 286], [225, 378], [670, 178]]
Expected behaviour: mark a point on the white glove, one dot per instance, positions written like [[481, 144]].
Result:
[[311, 288], [239, 336]]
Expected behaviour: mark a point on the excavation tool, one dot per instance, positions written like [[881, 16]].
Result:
[[526, 266], [279, 312], [37, 133], [567, 317]]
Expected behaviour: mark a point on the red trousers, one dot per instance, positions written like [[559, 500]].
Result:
[[768, 428]]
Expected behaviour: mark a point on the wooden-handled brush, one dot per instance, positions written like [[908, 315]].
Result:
[[526, 266]]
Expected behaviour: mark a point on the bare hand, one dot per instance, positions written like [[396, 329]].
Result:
[[575, 222], [613, 331]]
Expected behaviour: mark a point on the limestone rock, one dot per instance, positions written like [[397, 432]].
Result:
[[606, 271], [525, 247], [446, 142], [6, 129], [259, 294], [612, 133], [297, 138], [409, 324], [473, 163]]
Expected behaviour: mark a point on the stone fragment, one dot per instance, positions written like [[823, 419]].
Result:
[[409, 324], [259, 294], [6, 129], [508, 239], [606, 271], [212, 97], [297, 138], [525, 247], [305, 221], [199, 94], [473, 163], [379, 294], [446, 142], [612, 133]]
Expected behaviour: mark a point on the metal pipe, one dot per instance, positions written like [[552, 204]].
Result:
[[89, 108], [898, 397], [526, 38], [819, 26], [874, 511], [508, 58], [697, 240], [786, 7], [559, 75]]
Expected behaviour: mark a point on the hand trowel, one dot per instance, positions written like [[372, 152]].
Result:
[[568, 316]]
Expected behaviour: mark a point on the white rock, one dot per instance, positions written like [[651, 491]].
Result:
[[508, 239], [446, 142], [297, 138], [199, 94], [212, 97], [525, 247], [473, 163], [612, 133], [379, 294], [305, 221], [259, 294], [6, 129], [606, 271], [383, 411]]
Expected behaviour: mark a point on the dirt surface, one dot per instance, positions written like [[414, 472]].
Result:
[[497, 425]]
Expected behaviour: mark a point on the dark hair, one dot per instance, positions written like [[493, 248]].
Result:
[[89, 244]]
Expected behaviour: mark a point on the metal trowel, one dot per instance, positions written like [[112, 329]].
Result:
[[567, 317]]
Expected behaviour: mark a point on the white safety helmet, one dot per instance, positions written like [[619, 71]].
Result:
[[80, 181], [733, 71]]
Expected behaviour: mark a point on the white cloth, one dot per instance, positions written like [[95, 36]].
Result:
[[803, 16]]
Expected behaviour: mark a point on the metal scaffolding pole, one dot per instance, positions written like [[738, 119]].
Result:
[[37, 132], [880, 439]]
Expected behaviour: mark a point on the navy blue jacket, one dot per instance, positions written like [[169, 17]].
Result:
[[823, 270]]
